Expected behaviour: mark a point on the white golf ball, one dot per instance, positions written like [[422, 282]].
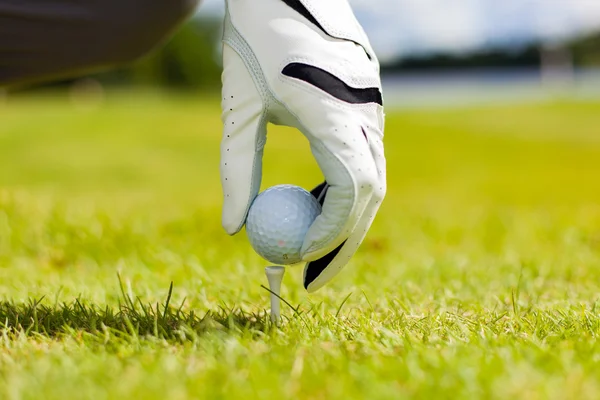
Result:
[[278, 221]]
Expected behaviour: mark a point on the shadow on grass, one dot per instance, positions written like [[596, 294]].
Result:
[[131, 318]]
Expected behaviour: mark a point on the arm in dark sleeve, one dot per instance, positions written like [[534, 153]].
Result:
[[45, 39]]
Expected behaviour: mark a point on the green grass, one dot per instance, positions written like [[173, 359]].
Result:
[[479, 279]]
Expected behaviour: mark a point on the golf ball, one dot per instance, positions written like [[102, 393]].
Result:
[[278, 221]]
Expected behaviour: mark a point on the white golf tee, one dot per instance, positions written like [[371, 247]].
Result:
[[275, 277]]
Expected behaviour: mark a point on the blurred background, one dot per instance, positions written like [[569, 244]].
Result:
[[431, 51]]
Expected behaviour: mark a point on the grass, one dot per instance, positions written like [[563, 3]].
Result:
[[479, 279]]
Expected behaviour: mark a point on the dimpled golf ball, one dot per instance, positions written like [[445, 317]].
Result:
[[278, 221]]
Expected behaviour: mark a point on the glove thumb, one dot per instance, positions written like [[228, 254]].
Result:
[[244, 135]]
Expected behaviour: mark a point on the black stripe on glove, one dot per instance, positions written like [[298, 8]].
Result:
[[333, 85]]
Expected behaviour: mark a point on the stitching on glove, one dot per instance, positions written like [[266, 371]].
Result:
[[331, 84], [342, 68], [327, 98], [233, 38]]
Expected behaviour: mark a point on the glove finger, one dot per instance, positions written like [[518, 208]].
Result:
[[348, 167], [319, 272], [244, 136]]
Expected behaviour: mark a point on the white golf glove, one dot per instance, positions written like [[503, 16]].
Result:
[[307, 64]]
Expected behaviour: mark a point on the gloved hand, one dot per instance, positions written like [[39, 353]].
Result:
[[307, 64]]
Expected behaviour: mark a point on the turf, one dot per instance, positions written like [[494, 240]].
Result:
[[479, 279]]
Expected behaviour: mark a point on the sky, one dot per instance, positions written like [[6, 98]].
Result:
[[399, 28]]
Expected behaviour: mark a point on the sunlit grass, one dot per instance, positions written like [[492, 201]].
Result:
[[479, 279]]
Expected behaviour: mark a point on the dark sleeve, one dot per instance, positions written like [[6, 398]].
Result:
[[45, 39]]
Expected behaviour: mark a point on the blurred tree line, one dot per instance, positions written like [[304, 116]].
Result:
[[583, 51], [587, 50], [191, 60]]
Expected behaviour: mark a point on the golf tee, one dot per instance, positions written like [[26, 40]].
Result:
[[275, 277]]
